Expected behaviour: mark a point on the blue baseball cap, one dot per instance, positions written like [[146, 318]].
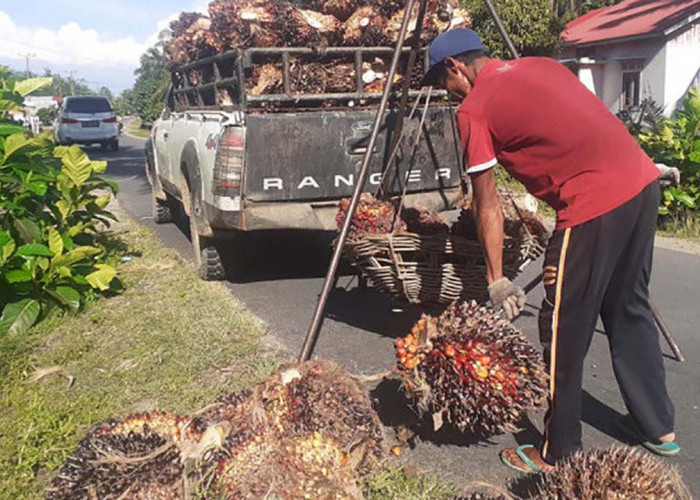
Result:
[[449, 44]]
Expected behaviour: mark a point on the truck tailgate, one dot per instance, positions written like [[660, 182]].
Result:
[[317, 155]]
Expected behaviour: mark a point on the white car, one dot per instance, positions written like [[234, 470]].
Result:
[[87, 120]]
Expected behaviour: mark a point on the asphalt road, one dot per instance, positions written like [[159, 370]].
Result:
[[280, 277]]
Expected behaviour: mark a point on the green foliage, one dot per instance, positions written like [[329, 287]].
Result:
[[531, 24], [567, 10], [52, 200], [676, 142], [47, 115], [147, 98]]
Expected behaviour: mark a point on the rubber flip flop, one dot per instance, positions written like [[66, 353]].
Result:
[[667, 449], [533, 467]]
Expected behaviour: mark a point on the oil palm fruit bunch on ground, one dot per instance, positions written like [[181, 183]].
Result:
[[312, 466], [611, 474], [471, 368], [138, 457], [372, 216]]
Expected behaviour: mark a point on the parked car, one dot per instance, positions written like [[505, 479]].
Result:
[[87, 120]]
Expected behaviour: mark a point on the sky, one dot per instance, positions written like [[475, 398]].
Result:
[[99, 41]]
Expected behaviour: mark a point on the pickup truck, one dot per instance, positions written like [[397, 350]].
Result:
[[239, 160]]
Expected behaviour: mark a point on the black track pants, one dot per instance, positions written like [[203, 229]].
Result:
[[602, 267]]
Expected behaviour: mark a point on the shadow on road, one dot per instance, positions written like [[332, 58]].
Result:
[[368, 310], [396, 410]]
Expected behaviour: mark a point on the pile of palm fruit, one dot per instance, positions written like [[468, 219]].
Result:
[[610, 474], [240, 24], [472, 369], [307, 431]]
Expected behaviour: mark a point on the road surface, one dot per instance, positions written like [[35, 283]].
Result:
[[282, 276]]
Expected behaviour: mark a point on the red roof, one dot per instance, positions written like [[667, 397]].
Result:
[[627, 19]]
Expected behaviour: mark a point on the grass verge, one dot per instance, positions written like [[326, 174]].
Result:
[[407, 484], [169, 342], [136, 129]]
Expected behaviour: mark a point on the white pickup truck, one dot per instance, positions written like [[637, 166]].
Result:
[[243, 161]]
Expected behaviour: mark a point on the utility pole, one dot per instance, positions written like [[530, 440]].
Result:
[[27, 56], [71, 80]]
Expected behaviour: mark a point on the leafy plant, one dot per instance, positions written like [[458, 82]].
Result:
[[676, 142], [531, 24], [47, 115], [52, 201]]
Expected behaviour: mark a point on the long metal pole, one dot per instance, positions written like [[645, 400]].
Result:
[[501, 28], [315, 327], [403, 103]]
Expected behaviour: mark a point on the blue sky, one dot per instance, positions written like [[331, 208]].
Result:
[[100, 41]]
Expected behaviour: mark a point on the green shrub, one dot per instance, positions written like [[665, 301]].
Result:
[[52, 201], [47, 115], [676, 143]]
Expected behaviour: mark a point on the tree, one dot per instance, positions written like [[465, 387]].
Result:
[[105, 92], [567, 10], [531, 24], [148, 95]]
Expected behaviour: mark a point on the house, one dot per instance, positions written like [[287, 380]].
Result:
[[637, 49]]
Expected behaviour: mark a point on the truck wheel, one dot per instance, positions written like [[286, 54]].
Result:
[[211, 268], [114, 145], [162, 210], [207, 259]]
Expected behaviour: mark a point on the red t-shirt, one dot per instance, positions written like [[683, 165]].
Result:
[[552, 134]]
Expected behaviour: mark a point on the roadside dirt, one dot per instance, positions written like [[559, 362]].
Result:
[[678, 244]]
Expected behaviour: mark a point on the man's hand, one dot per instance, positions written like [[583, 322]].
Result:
[[669, 175], [504, 294]]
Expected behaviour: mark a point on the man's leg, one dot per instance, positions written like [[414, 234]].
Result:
[[567, 320], [633, 337]]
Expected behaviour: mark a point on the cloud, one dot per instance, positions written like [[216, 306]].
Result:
[[111, 61], [69, 44]]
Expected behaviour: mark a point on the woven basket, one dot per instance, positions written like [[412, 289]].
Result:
[[435, 269]]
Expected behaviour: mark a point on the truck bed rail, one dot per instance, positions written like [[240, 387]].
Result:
[[220, 81]]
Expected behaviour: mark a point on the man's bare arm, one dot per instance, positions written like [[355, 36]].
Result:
[[488, 217]]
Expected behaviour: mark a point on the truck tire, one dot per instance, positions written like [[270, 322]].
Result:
[[207, 259], [162, 210], [211, 268]]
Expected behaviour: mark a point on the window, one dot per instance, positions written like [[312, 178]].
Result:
[[88, 105], [631, 82], [630, 89]]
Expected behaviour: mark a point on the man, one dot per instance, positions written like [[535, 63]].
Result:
[[548, 131]]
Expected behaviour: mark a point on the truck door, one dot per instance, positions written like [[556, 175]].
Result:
[[161, 137]]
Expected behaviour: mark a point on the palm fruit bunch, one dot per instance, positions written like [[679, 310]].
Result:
[[610, 474], [307, 431], [317, 396], [138, 458], [471, 368], [310, 466], [424, 221], [192, 39], [372, 216], [365, 27]]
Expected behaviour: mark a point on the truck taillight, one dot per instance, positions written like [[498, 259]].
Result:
[[68, 120], [110, 120], [228, 165]]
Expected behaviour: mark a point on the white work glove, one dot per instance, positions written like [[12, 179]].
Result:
[[669, 175], [507, 296]]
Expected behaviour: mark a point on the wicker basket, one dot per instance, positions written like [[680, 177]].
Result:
[[435, 269]]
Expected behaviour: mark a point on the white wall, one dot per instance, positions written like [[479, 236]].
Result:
[[682, 66], [608, 73]]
